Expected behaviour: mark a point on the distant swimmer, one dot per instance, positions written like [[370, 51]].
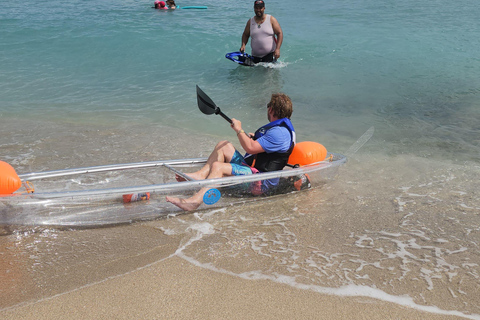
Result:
[[267, 150], [266, 34], [171, 4], [160, 5]]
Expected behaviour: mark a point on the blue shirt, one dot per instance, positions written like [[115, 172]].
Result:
[[276, 139]]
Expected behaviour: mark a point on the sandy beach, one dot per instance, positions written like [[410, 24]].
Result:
[[176, 289]]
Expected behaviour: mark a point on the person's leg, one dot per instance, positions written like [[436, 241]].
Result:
[[217, 170], [223, 152]]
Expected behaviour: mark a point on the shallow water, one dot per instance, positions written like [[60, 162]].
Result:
[[100, 85]]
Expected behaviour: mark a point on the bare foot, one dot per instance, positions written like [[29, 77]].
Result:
[[183, 203]]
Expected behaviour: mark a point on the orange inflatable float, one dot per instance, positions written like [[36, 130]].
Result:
[[9, 180], [307, 152]]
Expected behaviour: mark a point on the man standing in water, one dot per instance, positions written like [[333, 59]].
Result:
[[268, 150], [266, 34]]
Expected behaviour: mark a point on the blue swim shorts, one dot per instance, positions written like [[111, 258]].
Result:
[[239, 167]]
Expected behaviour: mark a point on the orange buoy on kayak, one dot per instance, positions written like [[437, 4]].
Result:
[[307, 152], [9, 180]]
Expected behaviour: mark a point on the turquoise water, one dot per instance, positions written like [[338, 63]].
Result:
[[94, 82], [408, 68]]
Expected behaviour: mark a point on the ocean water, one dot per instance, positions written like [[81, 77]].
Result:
[[90, 83]]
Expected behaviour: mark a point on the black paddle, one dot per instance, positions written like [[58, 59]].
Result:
[[207, 106]]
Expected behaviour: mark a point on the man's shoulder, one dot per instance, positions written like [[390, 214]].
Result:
[[273, 20], [278, 131]]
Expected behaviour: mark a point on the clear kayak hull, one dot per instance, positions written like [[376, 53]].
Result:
[[94, 195]]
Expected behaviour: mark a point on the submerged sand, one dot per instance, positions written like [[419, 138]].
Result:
[[176, 289]]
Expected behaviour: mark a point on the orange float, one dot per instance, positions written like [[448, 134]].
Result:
[[9, 180], [307, 152]]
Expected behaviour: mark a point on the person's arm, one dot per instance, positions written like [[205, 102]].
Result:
[[279, 33], [245, 36], [248, 144]]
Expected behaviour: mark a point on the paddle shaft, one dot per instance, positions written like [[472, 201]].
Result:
[[224, 116]]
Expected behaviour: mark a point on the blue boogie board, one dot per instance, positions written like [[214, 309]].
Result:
[[241, 58], [193, 7]]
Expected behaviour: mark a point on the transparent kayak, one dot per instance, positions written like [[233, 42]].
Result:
[[94, 196]]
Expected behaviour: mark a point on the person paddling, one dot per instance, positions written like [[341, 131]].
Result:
[[171, 4], [267, 150]]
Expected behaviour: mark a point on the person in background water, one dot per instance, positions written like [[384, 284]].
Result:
[[266, 34], [267, 150], [171, 4], [160, 5]]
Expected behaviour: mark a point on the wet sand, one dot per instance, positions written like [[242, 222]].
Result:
[[401, 234], [176, 289]]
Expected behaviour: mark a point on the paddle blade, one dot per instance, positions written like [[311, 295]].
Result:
[[205, 104]]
